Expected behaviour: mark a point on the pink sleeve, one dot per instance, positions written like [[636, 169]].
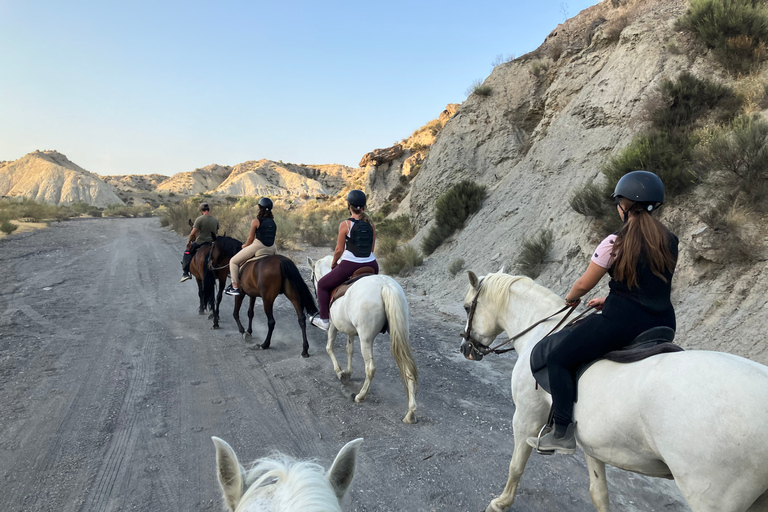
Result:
[[603, 254]]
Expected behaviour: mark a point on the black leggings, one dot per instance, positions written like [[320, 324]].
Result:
[[620, 322]]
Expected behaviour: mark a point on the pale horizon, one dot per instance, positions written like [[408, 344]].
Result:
[[161, 89]]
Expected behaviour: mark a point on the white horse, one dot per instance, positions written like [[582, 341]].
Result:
[[700, 418], [283, 484], [370, 304]]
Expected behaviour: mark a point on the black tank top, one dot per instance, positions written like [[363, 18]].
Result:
[[651, 292], [360, 238], [266, 231]]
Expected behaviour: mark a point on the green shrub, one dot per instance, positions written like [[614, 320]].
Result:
[[539, 67], [591, 200], [8, 227], [385, 245], [660, 153], [478, 88], [532, 253], [400, 228], [736, 29], [688, 98], [451, 211], [401, 261], [741, 149], [455, 266]]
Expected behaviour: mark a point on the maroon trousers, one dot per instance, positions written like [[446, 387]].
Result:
[[334, 278]]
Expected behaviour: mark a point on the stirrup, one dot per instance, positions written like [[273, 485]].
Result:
[[549, 427]]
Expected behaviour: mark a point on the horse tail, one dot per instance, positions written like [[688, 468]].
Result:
[[209, 284], [292, 278], [396, 309]]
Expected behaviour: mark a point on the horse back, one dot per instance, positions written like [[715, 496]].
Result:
[[262, 277]]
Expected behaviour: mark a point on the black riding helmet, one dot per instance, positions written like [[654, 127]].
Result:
[[356, 198], [265, 203], [641, 187]]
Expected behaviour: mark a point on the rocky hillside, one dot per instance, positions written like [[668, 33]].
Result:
[[198, 181], [544, 125], [135, 182], [50, 177]]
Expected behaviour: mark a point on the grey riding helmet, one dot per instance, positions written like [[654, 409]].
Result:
[[356, 198], [641, 187], [265, 203]]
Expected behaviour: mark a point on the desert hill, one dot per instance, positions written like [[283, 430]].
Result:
[[50, 177], [135, 182]]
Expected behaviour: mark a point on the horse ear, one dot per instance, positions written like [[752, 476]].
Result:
[[213, 236], [230, 473], [501, 270], [473, 280], [310, 262], [190, 223], [343, 469]]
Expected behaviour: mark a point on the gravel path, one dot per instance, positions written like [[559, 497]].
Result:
[[111, 386]]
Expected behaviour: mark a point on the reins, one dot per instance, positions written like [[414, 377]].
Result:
[[479, 347]]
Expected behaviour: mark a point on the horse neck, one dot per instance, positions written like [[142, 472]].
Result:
[[525, 308]]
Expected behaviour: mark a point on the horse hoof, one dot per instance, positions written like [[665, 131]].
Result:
[[410, 418], [360, 399], [246, 336], [210, 316], [200, 312], [345, 376], [264, 347], [305, 354], [494, 508], [215, 327]]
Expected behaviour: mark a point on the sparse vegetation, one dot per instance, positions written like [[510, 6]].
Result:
[[402, 260], [591, 200], [539, 67], [478, 88], [8, 227], [456, 266], [737, 30], [615, 27], [533, 251], [451, 211]]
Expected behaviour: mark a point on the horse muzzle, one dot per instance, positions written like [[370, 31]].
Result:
[[469, 351]]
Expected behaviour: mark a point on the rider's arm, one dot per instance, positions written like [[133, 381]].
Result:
[[252, 235], [340, 243], [586, 282], [373, 245], [192, 236]]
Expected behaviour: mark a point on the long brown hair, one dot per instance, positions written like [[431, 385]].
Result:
[[644, 234], [264, 213]]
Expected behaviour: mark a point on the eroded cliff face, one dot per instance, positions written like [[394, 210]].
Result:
[[550, 122], [50, 177]]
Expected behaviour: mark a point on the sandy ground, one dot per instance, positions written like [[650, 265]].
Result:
[[25, 227], [111, 386]]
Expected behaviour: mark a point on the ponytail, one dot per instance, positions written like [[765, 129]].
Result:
[[642, 234], [360, 212]]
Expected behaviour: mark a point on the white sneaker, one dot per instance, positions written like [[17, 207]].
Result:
[[319, 322]]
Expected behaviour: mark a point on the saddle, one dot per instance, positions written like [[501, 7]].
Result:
[[340, 290], [261, 253], [657, 340]]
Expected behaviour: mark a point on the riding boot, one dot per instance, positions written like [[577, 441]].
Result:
[[561, 440]]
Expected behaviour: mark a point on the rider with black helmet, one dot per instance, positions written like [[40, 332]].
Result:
[[354, 250], [641, 260], [261, 239]]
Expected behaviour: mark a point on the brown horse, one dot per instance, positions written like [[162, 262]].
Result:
[[206, 281], [267, 278]]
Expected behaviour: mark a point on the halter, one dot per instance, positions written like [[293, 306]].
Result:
[[477, 348], [210, 260]]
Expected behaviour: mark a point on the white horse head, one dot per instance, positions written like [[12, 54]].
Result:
[[371, 306], [282, 484], [698, 417]]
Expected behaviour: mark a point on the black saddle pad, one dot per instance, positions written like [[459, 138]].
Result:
[[657, 340]]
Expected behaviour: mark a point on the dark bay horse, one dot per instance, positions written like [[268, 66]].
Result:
[[267, 278], [207, 275]]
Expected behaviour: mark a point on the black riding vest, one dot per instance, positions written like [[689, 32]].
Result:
[[266, 232], [360, 238], [651, 292]]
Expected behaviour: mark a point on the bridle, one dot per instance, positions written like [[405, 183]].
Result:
[[210, 259], [477, 350]]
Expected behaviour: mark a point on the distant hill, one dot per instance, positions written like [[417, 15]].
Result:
[[199, 181], [50, 177]]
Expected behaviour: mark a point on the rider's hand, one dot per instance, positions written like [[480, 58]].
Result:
[[572, 303], [189, 245], [333, 265], [597, 303]]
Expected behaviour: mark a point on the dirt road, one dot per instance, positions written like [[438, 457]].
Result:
[[111, 386]]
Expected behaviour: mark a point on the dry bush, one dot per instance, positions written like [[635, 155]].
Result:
[[456, 266], [402, 261], [479, 89], [533, 251], [539, 67], [615, 27], [8, 227]]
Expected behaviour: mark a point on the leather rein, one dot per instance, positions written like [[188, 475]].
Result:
[[482, 349]]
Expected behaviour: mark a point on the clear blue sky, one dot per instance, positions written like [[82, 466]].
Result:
[[167, 86]]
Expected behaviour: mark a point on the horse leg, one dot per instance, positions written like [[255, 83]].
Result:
[[219, 295], [250, 317], [347, 374], [201, 309], [332, 332], [268, 303], [521, 429], [598, 485], [303, 325], [761, 505], [366, 348], [236, 314]]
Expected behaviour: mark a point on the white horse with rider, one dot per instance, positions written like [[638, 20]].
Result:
[[698, 417], [370, 306], [282, 484]]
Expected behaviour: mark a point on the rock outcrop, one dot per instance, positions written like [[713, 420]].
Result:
[[199, 181], [550, 122], [268, 178], [50, 177], [135, 182]]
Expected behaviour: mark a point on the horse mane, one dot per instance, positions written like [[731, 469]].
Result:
[[230, 246], [280, 482], [496, 288]]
